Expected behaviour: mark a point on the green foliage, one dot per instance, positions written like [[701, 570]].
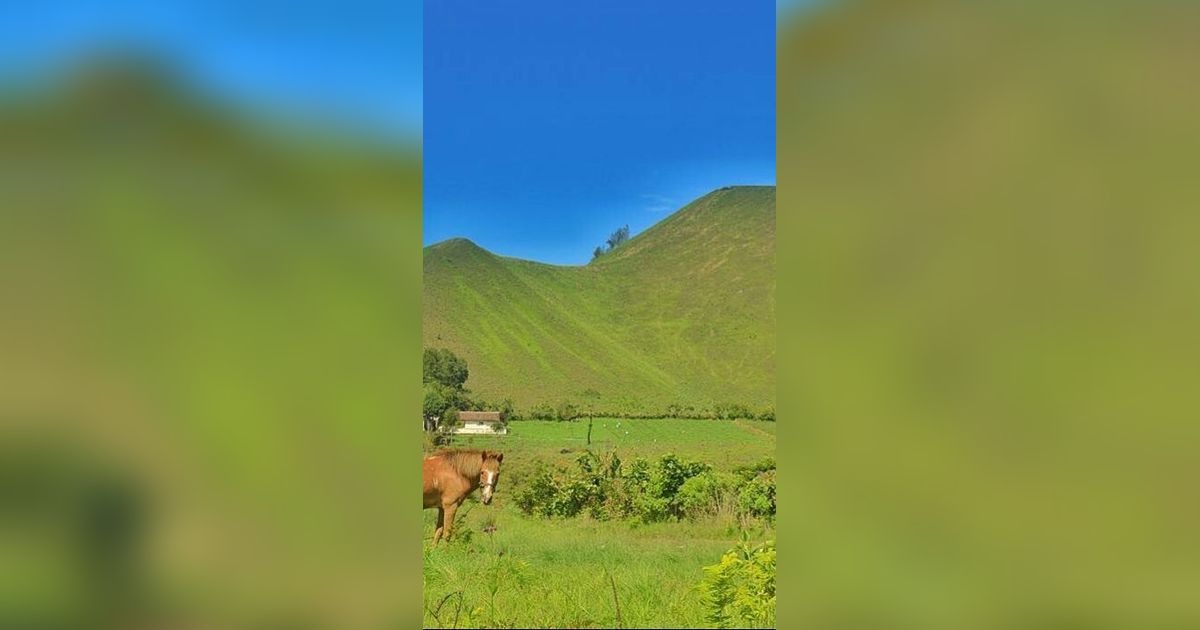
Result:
[[748, 472], [543, 411], [566, 411], [732, 411], [667, 490], [435, 402], [444, 374], [707, 494], [668, 318], [450, 419], [617, 238], [441, 401], [739, 591], [442, 366], [757, 496]]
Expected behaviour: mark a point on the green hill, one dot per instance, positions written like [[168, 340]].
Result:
[[682, 314]]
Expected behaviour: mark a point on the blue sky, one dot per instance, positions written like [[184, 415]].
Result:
[[356, 61], [548, 123]]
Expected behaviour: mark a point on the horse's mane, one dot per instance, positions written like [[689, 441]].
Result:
[[468, 462]]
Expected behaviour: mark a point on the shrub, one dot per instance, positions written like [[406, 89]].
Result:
[[731, 411], [739, 591], [536, 497], [707, 494], [606, 489], [566, 411], [542, 411], [763, 465], [757, 497]]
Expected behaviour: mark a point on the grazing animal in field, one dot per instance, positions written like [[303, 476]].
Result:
[[451, 475]]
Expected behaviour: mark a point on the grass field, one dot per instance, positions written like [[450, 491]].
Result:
[[722, 443], [534, 572]]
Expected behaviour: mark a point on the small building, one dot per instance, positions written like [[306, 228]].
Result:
[[481, 422]]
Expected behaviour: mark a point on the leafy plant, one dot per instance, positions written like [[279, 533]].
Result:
[[739, 591]]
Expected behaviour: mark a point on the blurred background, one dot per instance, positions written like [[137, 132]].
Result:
[[988, 385], [209, 242], [209, 254]]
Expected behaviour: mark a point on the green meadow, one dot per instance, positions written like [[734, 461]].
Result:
[[581, 572]]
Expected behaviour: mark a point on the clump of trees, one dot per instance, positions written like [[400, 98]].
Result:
[[444, 376], [614, 240]]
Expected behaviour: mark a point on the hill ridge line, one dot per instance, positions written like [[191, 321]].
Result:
[[469, 242]]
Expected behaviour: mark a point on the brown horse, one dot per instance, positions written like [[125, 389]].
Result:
[[450, 475]]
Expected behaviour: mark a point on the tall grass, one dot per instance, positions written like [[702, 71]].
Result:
[[570, 573]]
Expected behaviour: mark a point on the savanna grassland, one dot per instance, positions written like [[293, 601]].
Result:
[[682, 314], [507, 568]]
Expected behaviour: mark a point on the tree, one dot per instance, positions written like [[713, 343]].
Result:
[[443, 374], [435, 401], [442, 366], [598, 252], [616, 238]]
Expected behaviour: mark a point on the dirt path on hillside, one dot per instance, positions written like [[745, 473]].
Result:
[[753, 429]]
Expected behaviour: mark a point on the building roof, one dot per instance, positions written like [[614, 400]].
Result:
[[479, 416]]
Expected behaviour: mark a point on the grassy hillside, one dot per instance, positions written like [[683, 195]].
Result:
[[683, 313]]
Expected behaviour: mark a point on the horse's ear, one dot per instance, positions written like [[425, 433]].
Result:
[[500, 457]]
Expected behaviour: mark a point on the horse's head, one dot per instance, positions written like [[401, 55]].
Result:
[[489, 474]]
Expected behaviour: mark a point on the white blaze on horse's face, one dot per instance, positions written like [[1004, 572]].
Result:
[[488, 476], [488, 481]]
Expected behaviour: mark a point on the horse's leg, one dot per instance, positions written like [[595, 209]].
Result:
[[437, 533], [450, 510]]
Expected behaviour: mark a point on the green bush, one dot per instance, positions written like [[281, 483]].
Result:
[[606, 489], [757, 497], [763, 465], [542, 411], [732, 411], [566, 411], [707, 494], [739, 591]]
